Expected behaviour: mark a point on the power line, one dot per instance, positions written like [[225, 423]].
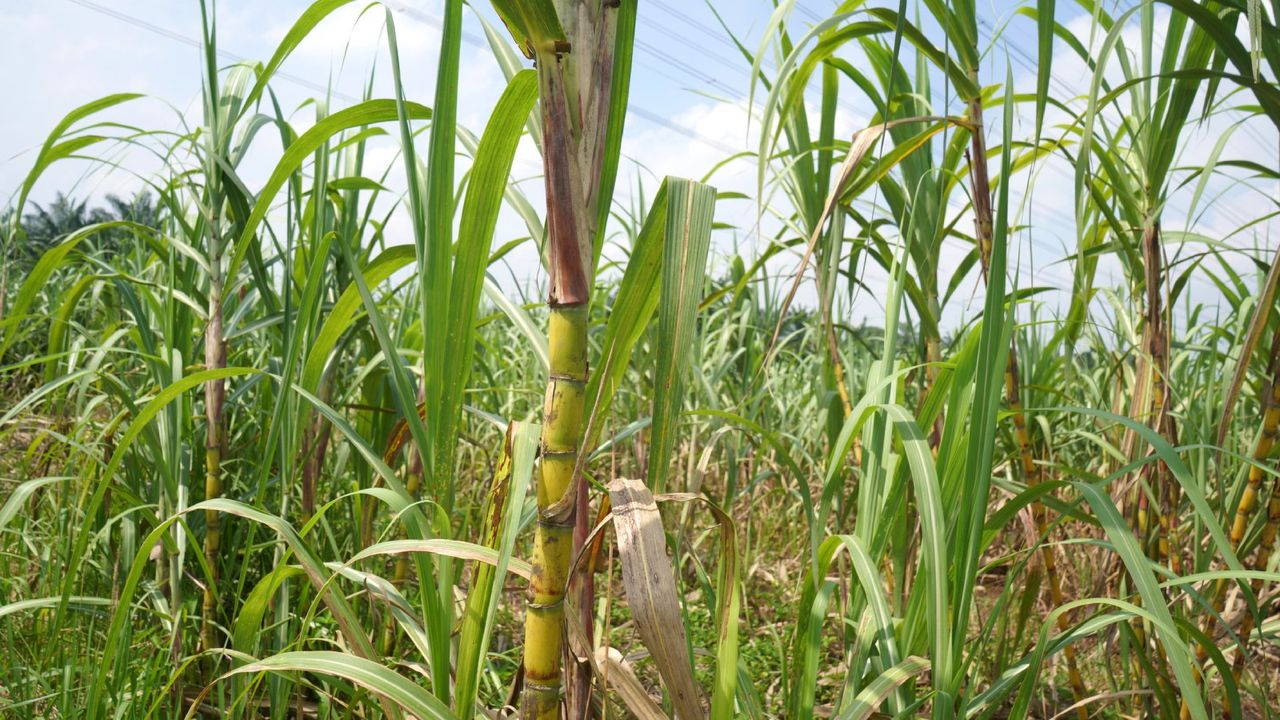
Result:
[[1018, 55], [1022, 58], [691, 133], [670, 36], [435, 22], [408, 11], [193, 42], [688, 20]]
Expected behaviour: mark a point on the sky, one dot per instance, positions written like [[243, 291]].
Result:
[[72, 51], [62, 53], [689, 109]]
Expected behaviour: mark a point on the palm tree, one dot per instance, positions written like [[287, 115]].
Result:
[[45, 224]]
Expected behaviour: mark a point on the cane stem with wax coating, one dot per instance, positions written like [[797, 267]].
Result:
[[1157, 349], [1156, 476], [553, 540], [1266, 547], [215, 357], [575, 80], [214, 395]]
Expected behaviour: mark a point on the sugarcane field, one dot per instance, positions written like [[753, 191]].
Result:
[[596, 359]]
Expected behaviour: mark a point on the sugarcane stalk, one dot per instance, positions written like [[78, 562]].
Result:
[[1139, 502], [1156, 537], [315, 445], [575, 82], [553, 539], [983, 226], [1160, 538], [1265, 548], [1245, 508], [214, 396], [1157, 348]]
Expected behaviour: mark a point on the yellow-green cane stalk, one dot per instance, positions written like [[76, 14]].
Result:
[[1261, 561], [553, 541], [575, 79], [412, 485], [1248, 503], [215, 356]]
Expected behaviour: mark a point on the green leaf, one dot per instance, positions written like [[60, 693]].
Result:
[[61, 321], [105, 480], [55, 148], [301, 28], [365, 673], [865, 704], [1044, 64], [993, 353], [813, 609], [16, 315], [366, 113], [490, 170], [619, 93], [343, 313], [19, 495], [1178, 652], [501, 525], [245, 633], [632, 309], [21, 606], [691, 209], [533, 23]]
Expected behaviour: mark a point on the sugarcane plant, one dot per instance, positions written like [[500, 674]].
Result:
[[264, 456]]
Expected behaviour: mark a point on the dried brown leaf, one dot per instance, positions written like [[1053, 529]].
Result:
[[649, 581]]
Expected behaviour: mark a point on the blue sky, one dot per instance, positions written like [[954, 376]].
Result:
[[689, 101], [61, 53]]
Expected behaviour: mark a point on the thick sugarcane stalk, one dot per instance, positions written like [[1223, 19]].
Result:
[[1261, 451], [322, 432], [575, 82], [553, 540], [932, 360], [984, 224], [1157, 349], [1163, 547], [1160, 537], [315, 445], [214, 396], [1156, 537], [1140, 520]]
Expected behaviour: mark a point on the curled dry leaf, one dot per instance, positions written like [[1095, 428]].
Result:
[[610, 664], [649, 581]]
